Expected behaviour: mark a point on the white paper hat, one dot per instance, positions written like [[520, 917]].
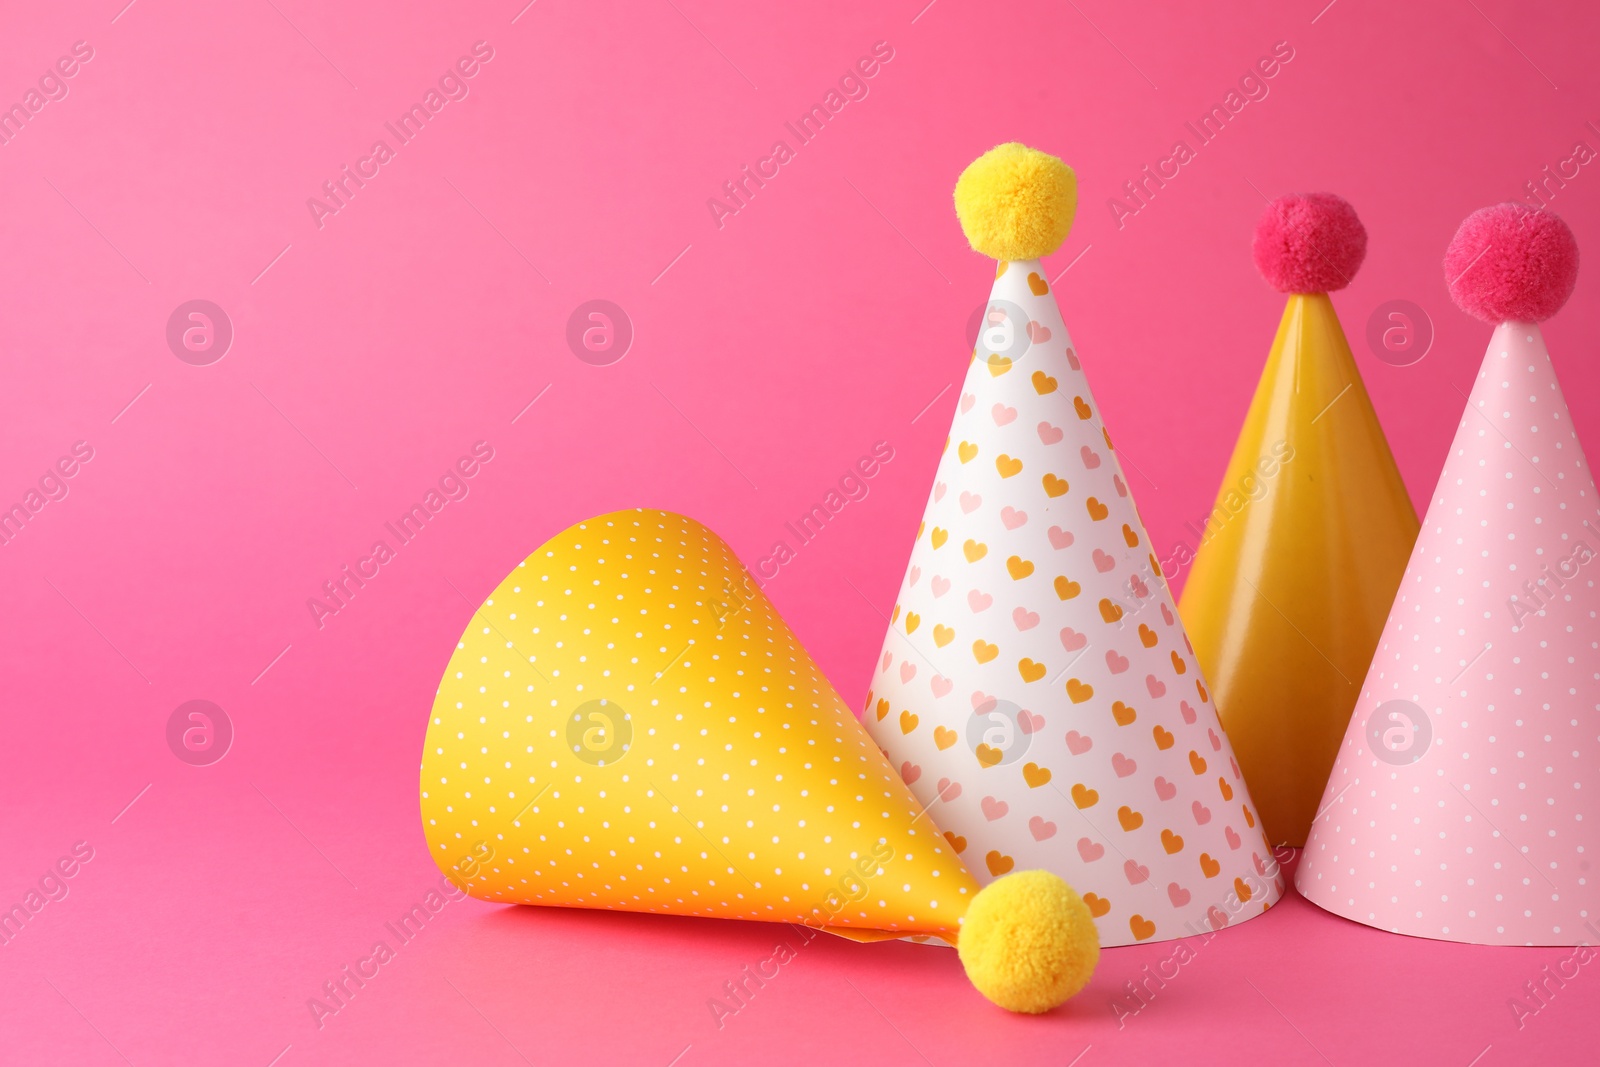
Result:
[[1036, 687]]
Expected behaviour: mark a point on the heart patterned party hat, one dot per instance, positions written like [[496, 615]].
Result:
[[1465, 801], [1036, 688], [1300, 558], [628, 724]]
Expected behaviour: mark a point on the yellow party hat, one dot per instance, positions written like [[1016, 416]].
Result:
[[1300, 559], [628, 724]]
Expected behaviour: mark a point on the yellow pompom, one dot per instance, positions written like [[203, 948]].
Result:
[[1028, 942], [1015, 202]]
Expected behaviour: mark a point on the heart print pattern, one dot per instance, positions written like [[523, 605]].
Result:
[[1036, 688]]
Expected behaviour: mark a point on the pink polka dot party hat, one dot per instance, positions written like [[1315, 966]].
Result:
[[1465, 801]]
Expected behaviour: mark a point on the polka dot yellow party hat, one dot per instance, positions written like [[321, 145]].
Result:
[[1035, 685], [1465, 801], [628, 724]]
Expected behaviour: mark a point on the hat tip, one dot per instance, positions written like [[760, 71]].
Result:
[[1016, 202], [1511, 263], [1309, 243]]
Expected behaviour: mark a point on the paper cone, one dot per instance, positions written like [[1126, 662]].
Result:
[[1465, 802], [1035, 686], [628, 724], [1297, 566]]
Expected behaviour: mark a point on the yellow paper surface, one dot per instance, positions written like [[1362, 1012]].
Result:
[[1298, 565], [628, 723]]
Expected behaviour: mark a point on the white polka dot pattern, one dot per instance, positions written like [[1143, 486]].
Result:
[[627, 723], [1463, 805]]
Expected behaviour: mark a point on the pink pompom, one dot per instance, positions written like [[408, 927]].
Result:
[[1309, 244], [1511, 263]]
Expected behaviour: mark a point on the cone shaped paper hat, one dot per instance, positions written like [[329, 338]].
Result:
[[1299, 560], [1036, 687], [628, 724], [1465, 802]]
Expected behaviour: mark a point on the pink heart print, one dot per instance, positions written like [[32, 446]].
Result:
[[1035, 525]]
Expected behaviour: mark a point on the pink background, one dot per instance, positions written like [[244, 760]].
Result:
[[771, 353]]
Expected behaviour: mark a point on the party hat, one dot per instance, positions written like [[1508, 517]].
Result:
[[1299, 560], [628, 724], [1036, 687], [1465, 802]]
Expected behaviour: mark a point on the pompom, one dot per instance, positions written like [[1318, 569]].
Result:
[[1511, 263], [1015, 202], [1309, 244], [1028, 942]]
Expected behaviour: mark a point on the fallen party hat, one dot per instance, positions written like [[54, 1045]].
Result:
[[1299, 560], [1465, 801], [1036, 687], [628, 724]]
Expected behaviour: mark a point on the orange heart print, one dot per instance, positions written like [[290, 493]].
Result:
[[628, 724], [1085, 741]]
